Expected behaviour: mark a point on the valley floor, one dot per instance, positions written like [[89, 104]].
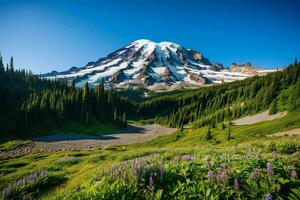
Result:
[[76, 141]]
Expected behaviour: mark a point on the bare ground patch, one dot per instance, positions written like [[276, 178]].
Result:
[[264, 116], [295, 132], [77, 141]]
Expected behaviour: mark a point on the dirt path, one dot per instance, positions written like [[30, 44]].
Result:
[[264, 116], [295, 132], [76, 141]]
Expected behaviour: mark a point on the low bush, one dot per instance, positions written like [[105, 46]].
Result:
[[286, 148]]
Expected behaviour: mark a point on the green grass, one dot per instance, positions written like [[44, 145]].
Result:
[[178, 176], [83, 167], [13, 144], [241, 134]]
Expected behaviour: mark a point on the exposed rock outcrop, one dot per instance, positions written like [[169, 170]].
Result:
[[199, 79], [117, 77]]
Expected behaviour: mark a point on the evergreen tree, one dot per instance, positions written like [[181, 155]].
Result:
[[208, 134], [223, 126], [1, 66], [86, 102], [213, 123], [292, 103], [12, 64], [273, 107], [73, 84]]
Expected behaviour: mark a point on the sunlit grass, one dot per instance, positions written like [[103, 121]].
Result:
[[82, 167]]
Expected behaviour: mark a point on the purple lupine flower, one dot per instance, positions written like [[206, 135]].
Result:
[[236, 184], [294, 174], [133, 169], [270, 169], [223, 176], [207, 161], [5, 192], [151, 182], [255, 175], [140, 165], [30, 177], [161, 170], [220, 171], [269, 196], [210, 175], [187, 157]]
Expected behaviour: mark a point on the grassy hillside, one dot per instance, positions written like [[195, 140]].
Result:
[[182, 153]]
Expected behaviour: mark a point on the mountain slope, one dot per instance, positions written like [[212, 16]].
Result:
[[145, 63]]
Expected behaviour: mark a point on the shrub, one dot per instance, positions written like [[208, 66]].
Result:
[[288, 148], [31, 185]]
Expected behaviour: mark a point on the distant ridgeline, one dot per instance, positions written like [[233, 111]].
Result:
[[29, 103]]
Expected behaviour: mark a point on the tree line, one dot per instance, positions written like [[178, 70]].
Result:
[[29, 102]]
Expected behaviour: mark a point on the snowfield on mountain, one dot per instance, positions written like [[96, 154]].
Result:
[[144, 63]]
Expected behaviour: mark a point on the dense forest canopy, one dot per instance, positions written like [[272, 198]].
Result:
[[29, 102]]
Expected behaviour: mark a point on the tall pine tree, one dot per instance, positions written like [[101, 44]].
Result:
[[11, 65]]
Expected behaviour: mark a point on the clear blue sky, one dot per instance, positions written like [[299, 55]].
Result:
[[57, 34]]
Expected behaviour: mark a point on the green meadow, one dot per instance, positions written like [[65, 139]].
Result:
[[107, 173]]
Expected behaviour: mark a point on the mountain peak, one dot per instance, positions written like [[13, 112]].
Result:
[[142, 41], [149, 64], [163, 44]]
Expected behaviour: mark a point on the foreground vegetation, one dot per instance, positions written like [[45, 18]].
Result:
[[178, 164], [232, 175]]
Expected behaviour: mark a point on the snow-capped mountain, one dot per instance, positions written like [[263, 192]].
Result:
[[144, 63]]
